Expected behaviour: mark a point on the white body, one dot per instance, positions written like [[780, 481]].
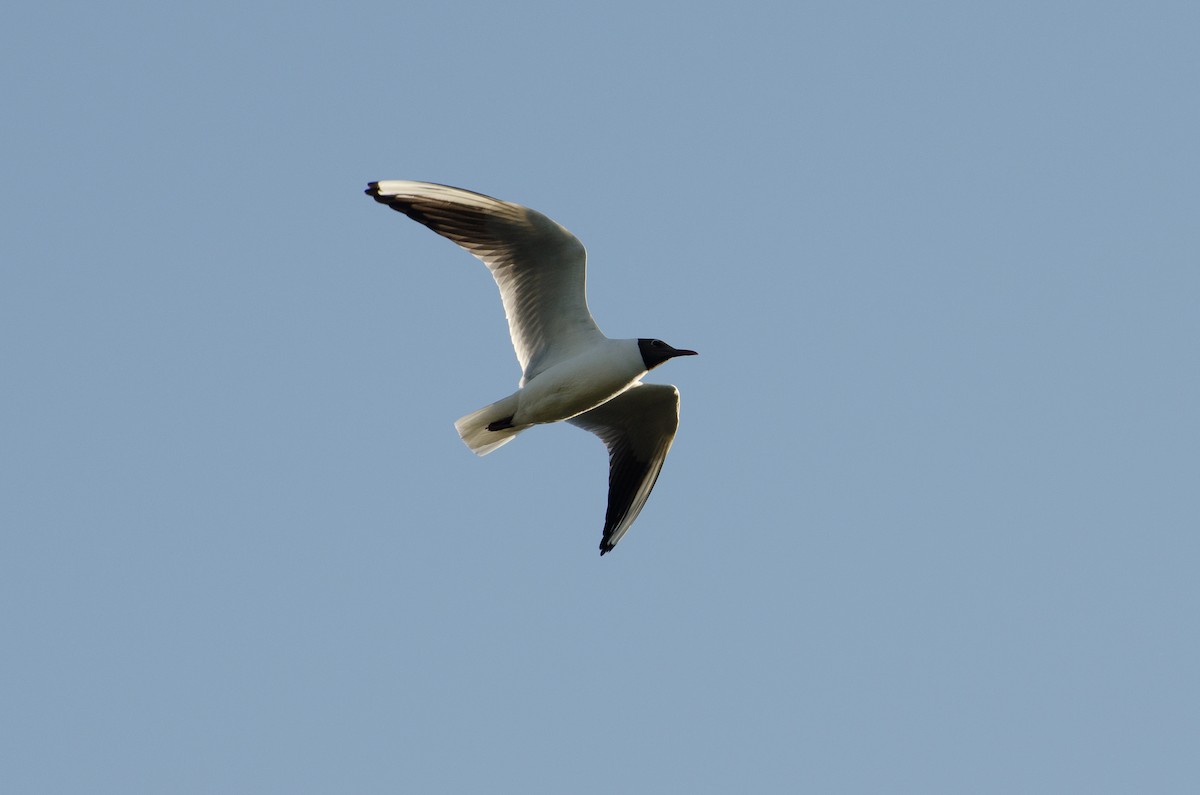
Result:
[[602, 371]]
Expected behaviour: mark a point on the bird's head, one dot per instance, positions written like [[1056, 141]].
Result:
[[655, 352]]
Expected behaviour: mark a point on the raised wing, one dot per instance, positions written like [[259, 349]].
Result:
[[638, 427], [539, 266]]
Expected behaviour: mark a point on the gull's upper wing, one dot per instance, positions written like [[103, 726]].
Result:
[[638, 427], [539, 266]]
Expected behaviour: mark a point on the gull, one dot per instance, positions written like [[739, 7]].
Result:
[[570, 370]]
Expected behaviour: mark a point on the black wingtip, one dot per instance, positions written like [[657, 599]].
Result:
[[397, 204], [605, 549]]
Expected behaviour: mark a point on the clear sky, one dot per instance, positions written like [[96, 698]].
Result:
[[930, 523]]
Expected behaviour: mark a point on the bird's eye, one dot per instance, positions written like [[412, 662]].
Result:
[[658, 343]]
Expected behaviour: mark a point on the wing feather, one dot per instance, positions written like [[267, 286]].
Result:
[[539, 266], [638, 427]]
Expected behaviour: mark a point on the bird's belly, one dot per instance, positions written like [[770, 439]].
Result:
[[565, 391]]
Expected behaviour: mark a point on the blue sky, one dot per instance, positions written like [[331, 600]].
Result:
[[930, 521]]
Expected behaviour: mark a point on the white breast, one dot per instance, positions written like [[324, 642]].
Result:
[[580, 383]]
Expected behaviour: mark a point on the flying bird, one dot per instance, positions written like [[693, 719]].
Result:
[[571, 371]]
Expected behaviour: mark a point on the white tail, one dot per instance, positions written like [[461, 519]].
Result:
[[473, 428]]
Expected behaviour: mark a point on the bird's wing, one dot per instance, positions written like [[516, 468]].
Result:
[[638, 427], [539, 266]]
